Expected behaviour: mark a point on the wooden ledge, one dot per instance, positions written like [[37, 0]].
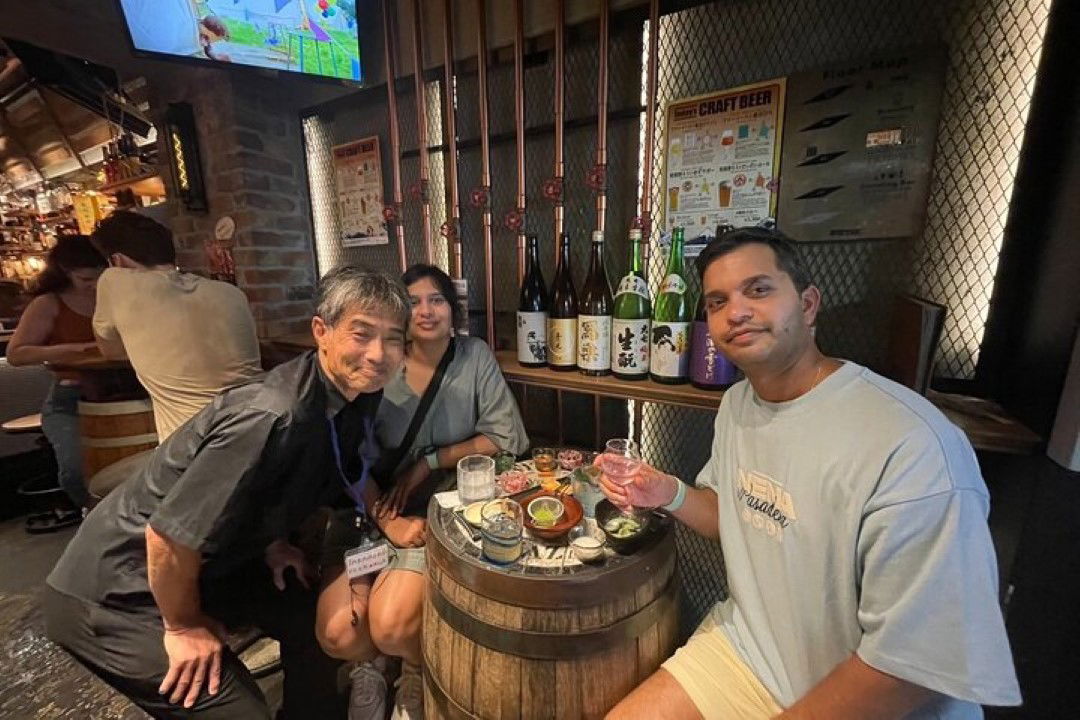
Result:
[[609, 386]]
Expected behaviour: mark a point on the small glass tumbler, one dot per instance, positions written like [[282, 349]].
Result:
[[545, 460], [501, 531], [475, 478], [586, 484]]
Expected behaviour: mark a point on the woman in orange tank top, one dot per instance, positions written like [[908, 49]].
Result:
[[57, 323]]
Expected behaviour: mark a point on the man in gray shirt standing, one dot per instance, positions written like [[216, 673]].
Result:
[[200, 537], [852, 515]]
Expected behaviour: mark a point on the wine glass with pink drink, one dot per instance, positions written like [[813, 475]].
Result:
[[622, 460]]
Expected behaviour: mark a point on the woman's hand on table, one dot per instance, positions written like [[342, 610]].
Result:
[[390, 505], [404, 531], [651, 488]]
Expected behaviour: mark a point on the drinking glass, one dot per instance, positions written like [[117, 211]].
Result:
[[545, 460], [475, 478], [501, 531], [621, 461], [586, 484]]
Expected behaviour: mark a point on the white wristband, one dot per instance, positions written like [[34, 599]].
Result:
[[680, 495], [432, 460]]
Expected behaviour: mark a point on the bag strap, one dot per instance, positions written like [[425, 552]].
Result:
[[389, 461]]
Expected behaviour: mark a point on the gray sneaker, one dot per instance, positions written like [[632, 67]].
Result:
[[367, 694], [409, 695]]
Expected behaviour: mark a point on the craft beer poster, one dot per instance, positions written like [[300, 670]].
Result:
[[722, 158]]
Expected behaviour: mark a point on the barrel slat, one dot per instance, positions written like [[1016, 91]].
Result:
[[607, 679], [462, 669], [568, 679], [538, 690], [497, 687]]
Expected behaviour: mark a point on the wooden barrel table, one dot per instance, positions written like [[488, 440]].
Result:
[[111, 431], [542, 642]]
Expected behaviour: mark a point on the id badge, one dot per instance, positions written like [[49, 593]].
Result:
[[370, 557]]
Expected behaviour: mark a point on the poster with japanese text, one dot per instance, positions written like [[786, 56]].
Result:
[[358, 179], [722, 155]]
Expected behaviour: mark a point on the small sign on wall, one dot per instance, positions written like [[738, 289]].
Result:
[[358, 180], [859, 148]]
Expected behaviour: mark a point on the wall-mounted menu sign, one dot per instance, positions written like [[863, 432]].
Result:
[[358, 178], [859, 146], [722, 151]]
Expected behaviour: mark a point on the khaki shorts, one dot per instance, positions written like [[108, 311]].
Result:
[[721, 685]]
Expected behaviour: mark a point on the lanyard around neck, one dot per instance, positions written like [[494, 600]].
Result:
[[355, 490]]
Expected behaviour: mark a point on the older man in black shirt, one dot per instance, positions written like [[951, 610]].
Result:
[[200, 538]]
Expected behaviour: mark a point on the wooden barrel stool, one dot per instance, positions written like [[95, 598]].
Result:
[[111, 431], [562, 642]]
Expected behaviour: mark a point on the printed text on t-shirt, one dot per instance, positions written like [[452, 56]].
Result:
[[764, 503]]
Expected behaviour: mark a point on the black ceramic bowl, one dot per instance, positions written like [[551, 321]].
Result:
[[605, 512]]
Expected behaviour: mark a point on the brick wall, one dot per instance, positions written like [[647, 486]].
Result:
[[251, 145]]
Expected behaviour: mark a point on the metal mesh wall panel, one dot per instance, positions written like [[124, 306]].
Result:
[[993, 51]]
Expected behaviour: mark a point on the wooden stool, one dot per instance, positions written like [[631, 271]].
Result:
[[24, 424], [41, 488], [112, 431]]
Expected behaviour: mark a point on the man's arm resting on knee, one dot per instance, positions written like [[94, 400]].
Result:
[[191, 638], [857, 691]]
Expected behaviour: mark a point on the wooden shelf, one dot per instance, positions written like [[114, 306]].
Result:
[[684, 395], [149, 184], [987, 426], [608, 386]]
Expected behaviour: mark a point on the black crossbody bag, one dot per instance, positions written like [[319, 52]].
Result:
[[383, 472]]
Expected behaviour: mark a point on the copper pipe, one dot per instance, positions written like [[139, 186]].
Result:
[[395, 134], [421, 130], [519, 128], [485, 166], [601, 117], [560, 51], [650, 127], [453, 210]]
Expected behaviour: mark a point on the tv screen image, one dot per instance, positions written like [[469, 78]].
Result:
[[317, 37]]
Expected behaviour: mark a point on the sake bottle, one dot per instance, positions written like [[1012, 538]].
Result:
[[563, 314], [669, 349], [630, 325], [532, 315], [709, 368], [594, 322]]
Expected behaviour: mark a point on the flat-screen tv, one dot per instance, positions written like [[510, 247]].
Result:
[[315, 37]]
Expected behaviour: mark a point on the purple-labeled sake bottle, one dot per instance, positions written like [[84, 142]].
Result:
[[709, 368]]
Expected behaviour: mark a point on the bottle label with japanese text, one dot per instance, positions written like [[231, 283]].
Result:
[[630, 346], [594, 342], [532, 337], [562, 342], [669, 350], [673, 283], [634, 285]]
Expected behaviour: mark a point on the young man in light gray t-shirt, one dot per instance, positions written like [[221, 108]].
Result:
[[852, 517]]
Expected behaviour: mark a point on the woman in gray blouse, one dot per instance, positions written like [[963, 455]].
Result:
[[473, 412]]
